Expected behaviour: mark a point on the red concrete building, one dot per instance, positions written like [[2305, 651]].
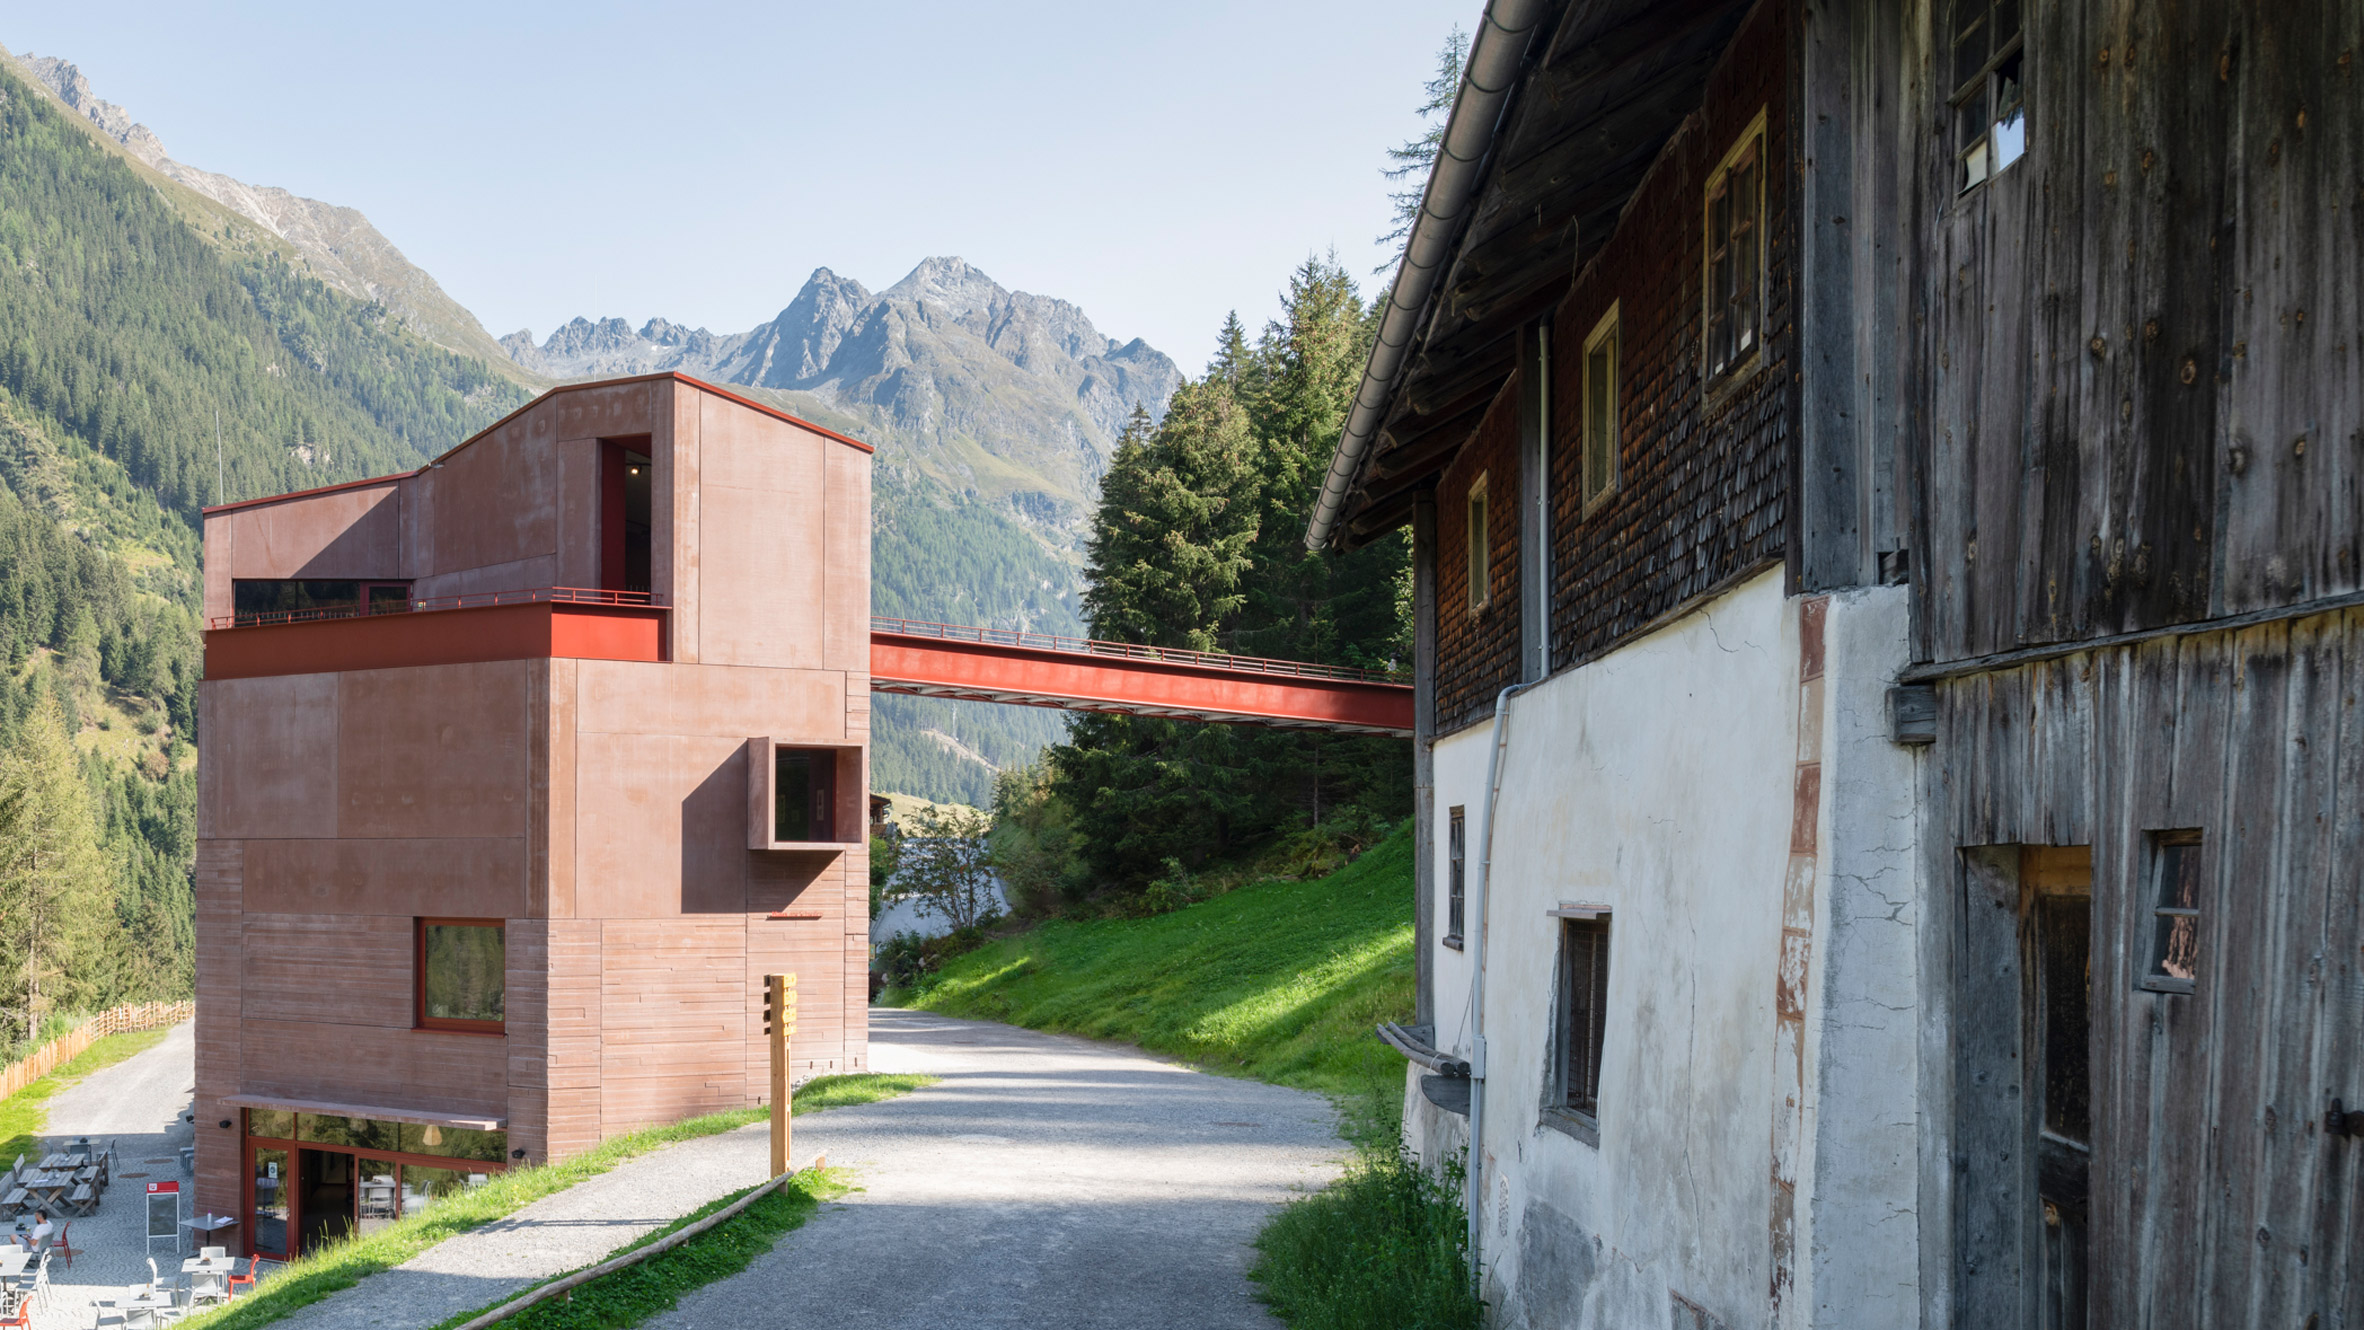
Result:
[[520, 770]]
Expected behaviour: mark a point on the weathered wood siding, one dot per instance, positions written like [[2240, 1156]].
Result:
[[2217, 1199], [1477, 651], [2143, 339]]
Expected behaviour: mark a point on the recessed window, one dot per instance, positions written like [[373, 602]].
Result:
[[1735, 275], [1600, 409], [296, 600], [804, 794], [1456, 879], [2175, 912], [1989, 101], [1583, 1014], [1480, 553], [462, 971]]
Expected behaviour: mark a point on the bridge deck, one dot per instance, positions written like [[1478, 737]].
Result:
[[1076, 674]]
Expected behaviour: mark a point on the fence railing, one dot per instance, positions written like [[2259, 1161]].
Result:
[[565, 595], [1007, 637], [70, 1045]]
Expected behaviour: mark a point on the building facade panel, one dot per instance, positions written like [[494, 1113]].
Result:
[[435, 751]]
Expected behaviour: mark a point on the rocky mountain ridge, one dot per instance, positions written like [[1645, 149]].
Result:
[[338, 244], [1003, 394]]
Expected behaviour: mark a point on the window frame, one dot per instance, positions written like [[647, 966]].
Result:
[[420, 1020], [1748, 149], [1984, 88], [1456, 874], [1572, 1103], [1479, 538], [2193, 840], [1601, 439]]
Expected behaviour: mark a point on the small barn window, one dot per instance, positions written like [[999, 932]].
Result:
[[2175, 912], [1600, 409], [1735, 271], [1989, 102], [1456, 876], [1583, 1014], [1480, 553]]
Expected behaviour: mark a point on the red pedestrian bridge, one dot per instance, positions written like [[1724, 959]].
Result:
[[1078, 674], [906, 656]]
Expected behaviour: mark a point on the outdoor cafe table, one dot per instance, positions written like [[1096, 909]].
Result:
[[47, 1188], [13, 1261], [217, 1268], [64, 1162], [205, 1226]]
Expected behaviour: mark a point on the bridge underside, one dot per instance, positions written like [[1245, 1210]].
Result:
[[1182, 685]]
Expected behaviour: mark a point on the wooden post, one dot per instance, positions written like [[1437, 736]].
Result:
[[779, 1022]]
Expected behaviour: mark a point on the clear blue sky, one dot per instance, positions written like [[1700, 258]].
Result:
[[1157, 164]]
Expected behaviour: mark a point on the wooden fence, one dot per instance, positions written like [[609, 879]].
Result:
[[68, 1046]]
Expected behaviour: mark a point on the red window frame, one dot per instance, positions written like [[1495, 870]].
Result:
[[418, 977]]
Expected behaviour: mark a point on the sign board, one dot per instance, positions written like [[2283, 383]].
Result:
[[164, 1213]]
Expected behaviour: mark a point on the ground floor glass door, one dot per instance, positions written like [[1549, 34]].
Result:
[[325, 1197], [269, 1234]]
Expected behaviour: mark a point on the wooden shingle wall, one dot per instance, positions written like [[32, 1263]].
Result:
[[2146, 339], [2217, 1198], [1478, 651], [1705, 476]]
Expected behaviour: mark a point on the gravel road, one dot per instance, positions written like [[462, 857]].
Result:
[[1047, 1182]]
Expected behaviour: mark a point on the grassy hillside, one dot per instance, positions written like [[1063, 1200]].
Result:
[[1281, 981]]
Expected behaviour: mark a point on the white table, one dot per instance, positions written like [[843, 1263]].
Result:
[[13, 1261], [209, 1277]]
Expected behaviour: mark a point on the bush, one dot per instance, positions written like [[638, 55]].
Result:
[[1387, 1247], [909, 961]]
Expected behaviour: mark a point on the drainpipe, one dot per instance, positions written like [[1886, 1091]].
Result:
[[1494, 56], [1474, 1185]]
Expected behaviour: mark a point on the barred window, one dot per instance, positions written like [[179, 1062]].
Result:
[[1456, 879], [1583, 1013]]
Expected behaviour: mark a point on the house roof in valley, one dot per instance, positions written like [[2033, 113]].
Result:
[[1564, 105]]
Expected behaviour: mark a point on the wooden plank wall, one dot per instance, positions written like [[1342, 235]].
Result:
[[2217, 1198], [2143, 353]]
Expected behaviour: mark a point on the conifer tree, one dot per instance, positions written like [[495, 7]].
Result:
[[54, 890], [1169, 544]]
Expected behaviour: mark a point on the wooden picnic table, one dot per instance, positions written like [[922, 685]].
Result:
[[46, 1188], [64, 1162]]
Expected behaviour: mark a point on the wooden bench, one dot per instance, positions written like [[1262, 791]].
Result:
[[82, 1200], [14, 1201]]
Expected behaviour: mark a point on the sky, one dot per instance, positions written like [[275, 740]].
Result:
[[1156, 164]]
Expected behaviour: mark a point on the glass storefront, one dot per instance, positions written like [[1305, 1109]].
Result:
[[315, 1178]]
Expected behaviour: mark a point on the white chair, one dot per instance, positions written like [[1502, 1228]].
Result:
[[213, 1253]]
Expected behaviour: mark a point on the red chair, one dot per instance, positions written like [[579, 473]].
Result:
[[63, 1248], [239, 1281]]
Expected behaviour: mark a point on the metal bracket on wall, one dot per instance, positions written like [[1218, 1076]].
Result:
[[2340, 1122]]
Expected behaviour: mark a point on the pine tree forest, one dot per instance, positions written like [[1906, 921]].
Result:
[[1199, 543]]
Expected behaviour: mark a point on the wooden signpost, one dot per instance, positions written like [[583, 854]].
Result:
[[779, 1022]]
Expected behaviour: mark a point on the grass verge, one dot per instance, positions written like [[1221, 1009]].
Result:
[[1279, 981], [635, 1293], [339, 1266], [1384, 1247], [24, 1114]]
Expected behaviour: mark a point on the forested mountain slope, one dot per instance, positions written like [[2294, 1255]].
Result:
[[131, 313]]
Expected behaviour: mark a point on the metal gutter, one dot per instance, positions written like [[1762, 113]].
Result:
[[1486, 82]]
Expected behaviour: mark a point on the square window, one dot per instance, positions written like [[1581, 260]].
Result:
[[462, 971], [1583, 1015], [2175, 911], [1600, 410], [1456, 883], [1480, 551], [1989, 100]]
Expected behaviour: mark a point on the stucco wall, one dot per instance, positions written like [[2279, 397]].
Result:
[[1610, 796]]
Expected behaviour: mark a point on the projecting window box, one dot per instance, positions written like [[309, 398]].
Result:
[[804, 796]]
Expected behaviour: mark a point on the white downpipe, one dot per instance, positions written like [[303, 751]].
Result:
[[1474, 1185]]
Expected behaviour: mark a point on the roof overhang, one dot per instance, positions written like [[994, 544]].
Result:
[[1535, 173]]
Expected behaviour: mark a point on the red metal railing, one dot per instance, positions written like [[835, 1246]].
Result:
[[567, 595], [1005, 637]]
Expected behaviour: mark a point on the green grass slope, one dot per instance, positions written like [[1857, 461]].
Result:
[[1280, 981]]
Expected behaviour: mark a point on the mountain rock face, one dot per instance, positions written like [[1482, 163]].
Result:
[[338, 244], [1003, 394]]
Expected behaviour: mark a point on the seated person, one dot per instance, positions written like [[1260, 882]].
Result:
[[42, 1229]]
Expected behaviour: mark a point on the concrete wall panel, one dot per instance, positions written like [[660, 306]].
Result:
[[342, 534], [330, 969], [630, 697], [661, 826], [674, 1020], [469, 877], [675, 559], [435, 751], [847, 596], [497, 500], [264, 744], [432, 1071]]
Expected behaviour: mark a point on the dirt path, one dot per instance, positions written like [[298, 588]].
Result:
[[1047, 1182]]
